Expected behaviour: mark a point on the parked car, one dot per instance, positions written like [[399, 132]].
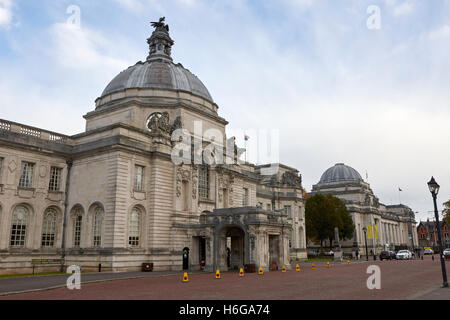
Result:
[[428, 251], [447, 252], [404, 255], [388, 255]]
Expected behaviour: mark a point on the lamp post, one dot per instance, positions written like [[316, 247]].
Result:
[[365, 239], [434, 189], [412, 232]]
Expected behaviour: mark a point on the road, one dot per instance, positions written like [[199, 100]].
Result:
[[418, 279]]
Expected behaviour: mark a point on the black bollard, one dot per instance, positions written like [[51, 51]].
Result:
[[99, 267]]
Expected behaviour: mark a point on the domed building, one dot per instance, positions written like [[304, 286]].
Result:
[[136, 187], [392, 222]]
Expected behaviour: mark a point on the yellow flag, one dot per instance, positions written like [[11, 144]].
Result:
[[372, 231]]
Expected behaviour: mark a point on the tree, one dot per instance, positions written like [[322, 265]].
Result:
[[447, 212], [323, 213]]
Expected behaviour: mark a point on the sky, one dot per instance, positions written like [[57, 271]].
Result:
[[365, 83]]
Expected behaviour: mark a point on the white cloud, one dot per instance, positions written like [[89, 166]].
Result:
[[5, 13], [400, 7], [83, 48]]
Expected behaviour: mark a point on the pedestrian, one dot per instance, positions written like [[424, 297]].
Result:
[[357, 254]]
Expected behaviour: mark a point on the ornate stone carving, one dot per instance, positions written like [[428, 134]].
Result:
[[177, 124], [194, 182], [291, 179], [159, 123], [182, 175]]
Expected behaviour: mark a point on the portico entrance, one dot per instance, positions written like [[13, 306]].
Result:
[[231, 248]]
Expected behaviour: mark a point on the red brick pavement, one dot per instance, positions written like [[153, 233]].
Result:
[[399, 280]]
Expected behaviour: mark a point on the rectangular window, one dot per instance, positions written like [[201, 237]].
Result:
[[26, 175], [269, 207], [245, 197], [138, 178], [18, 232], [288, 210], [77, 237], [203, 182], [55, 179]]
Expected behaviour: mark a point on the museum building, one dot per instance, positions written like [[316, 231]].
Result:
[[395, 224], [112, 198]]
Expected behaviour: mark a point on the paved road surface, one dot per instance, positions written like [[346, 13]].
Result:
[[399, 280]]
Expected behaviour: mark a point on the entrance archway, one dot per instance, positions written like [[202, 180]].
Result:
[[231, 248]]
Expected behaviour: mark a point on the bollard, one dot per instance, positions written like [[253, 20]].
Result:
[[99, 267], [218, 274], [185, 277], [241, 273]]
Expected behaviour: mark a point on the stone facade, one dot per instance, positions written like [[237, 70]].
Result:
[[395, 223], [113, 196]]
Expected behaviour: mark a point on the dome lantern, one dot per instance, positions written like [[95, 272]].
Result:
[[160, 42]]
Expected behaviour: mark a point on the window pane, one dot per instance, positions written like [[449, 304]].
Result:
[[19, 226], [77, 228], [245, 197], [138, 178], [134, 229], [26, 176], [203, 182], [49, 229], [55, 179], [98, 220]]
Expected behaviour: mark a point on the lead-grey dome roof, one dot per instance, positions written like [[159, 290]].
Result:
[[158, 71], [340, 172], [158, 74]]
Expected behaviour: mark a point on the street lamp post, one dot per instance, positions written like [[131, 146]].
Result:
[[434, 189], [365, 239], [412, 234]]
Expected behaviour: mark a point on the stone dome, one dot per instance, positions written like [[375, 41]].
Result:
[[158, 71], [158, 74], [340, 172]]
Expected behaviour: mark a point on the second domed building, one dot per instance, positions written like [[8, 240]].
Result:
[[394, 224]]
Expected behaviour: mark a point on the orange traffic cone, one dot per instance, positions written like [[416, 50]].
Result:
[[185, 277], [241, 273], [218, 274]]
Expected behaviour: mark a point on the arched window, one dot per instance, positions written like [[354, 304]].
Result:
[[134, 228], [77, 227], [98, 221], [19, 226], [49, 228]]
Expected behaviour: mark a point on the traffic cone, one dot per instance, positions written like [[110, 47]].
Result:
[[185, 277], [297, 268], [348, 261], [260, 272], [218, 274], [283, 269], [328, 264], [313, 266], [241, 273]]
